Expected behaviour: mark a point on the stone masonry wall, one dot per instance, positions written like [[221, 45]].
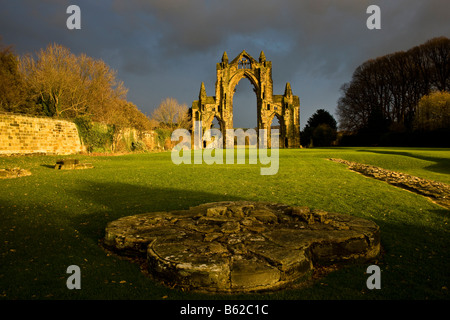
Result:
[[20, 134]]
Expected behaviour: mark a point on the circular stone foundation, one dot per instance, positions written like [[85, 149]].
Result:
[[241, 246]]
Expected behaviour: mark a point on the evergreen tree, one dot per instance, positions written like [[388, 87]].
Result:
[[320, 130]]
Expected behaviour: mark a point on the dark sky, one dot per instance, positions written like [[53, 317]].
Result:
[[166, 48]]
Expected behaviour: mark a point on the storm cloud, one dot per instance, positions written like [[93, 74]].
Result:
[[167, 48]]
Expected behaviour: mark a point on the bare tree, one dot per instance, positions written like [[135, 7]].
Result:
[[51, 78], [70, 86], [172, 115], [385, 91]]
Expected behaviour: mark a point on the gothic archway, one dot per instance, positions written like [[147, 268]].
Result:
[[243, 103], [286, 107], [280, 126], [211, 140]]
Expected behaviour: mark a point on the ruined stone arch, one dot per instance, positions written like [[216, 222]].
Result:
[[208, 138], [282, 130], [259, 72], [209, 121], [234, 81], [238, 76]]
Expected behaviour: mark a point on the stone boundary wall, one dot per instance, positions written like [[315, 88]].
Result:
[[21, 134]]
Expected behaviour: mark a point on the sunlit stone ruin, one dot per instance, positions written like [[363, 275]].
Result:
[[285, 107], [232, 247]]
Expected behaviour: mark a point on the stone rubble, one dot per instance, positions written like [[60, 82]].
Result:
[[438, 192], [13, 173]]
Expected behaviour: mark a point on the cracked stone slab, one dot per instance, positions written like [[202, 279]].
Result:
[[241, 246]]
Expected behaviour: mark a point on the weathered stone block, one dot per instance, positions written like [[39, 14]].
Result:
[[71, 164], [252, 274], [303, 213], [216, 212], [265, 216]]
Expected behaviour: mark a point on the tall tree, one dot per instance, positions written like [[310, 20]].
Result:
[[384, 92], [320, 130], [11, 85]]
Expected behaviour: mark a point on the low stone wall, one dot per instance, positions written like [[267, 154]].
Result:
[[20, 134], [135, 140], [438, 192]]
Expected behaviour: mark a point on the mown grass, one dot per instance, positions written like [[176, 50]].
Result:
[[53, 219]]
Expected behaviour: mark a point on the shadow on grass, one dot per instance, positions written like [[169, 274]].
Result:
[[442, 165], [117, 200], [442, 213], [415, 255], [41, 241], [48, 166], [55, 235]]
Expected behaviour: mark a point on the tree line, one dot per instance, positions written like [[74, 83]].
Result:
[[380, 105], [57, 83]]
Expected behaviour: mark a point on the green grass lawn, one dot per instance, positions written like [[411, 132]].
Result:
[[53, 219]]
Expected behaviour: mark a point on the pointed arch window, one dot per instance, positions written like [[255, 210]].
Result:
[[244, 63]]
